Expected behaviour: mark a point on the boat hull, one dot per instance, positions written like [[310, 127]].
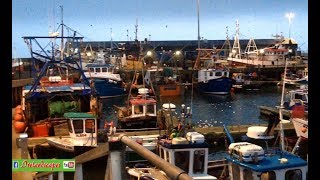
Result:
[[216, 86], [105, 89], [171, 90], [301, 127]]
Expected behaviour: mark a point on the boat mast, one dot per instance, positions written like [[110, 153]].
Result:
[[61, 46], [282, 107], [111, 47], [198, 11], [236, 51]]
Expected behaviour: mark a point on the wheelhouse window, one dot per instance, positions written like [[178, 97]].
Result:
[[150, 109], [98, 70], [198, 161], [90, 125], [78, 126], [182, 160], [104, 69], [138, 109], [235, 171], [295, 174], [91, 69], [247, 174], [211, 74], [167, 156], [69, 126], [218, 73], [270, 175], [161, 153]]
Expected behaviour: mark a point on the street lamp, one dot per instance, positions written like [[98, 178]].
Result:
[[290, 16]]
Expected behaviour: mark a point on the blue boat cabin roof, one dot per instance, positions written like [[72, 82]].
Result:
[[78, 115], [271, 162]]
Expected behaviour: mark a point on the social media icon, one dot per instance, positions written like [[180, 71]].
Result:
[[15, 164], [68, 164], [71, 164]]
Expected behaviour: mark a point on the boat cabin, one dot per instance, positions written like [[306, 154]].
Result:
[[273, 166], [248, 161], [82, 128], [204, 75], [100, 68], [143, 106], [298, 96], [190, 154]]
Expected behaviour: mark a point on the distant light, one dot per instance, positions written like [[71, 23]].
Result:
[[149, 53], [88, 53], [76, 50], [290, 50], [178, 52], [289, 15]]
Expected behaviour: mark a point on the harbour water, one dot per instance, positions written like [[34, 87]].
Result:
[[213, 110]]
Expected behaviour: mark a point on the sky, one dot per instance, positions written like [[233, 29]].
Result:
[[101, 20]]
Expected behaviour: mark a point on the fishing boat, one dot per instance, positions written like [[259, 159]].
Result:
[[298, 96], [270, 56], [212, 78], [165, 81], [85, 134], [82, 130], [188, 152], [248, 160], [140, 113], [106, 82], [244, 81], [59, 84]]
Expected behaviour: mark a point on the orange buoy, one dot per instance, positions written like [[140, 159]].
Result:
[[304, 129], [19, 111], [19, 126], [18, 117], [18, 107]]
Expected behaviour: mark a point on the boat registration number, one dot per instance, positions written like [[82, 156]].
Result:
[[81, 135]]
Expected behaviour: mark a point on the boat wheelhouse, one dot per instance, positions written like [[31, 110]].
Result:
[[82, 130], [106, 82], [189, 153], [252, 162], [141, 112]]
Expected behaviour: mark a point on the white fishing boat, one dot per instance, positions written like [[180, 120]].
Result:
[[190, 153]]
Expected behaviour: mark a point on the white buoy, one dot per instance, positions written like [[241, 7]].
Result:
[[169, 106], [258, 132]]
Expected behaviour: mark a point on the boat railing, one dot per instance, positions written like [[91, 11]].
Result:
[[217, 164]]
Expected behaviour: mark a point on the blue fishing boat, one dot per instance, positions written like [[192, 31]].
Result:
[[250, 161], [212, 78], [106, 82]]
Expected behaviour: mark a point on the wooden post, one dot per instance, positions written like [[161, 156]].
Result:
[[78, 175]]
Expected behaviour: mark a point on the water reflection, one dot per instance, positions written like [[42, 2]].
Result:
[[213, 110]]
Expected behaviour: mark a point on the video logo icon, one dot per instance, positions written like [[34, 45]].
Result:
[[68, 164]]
